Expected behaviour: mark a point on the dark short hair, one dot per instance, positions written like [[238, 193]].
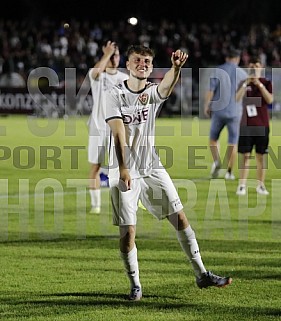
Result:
[[8, 66], [233, 53], [141, 50], [254, 60]]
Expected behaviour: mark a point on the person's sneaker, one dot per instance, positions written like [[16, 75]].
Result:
[[95, 210], [241, 190], [262, 190], [229, 176], [135, 294], [209, 279], [215, 170]]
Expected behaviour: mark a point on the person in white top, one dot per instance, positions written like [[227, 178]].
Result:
[[135, 170], [102, 77]]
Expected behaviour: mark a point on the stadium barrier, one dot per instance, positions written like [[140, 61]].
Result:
[[50, 102]]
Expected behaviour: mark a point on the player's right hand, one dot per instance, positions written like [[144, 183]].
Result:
[[109, 48], [125, 180]]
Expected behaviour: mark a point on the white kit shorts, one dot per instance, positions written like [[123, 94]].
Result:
[[156, 192], [97, 148]]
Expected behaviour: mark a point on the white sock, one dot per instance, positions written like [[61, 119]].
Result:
[[131, 265], [190, 247], [95, 197]]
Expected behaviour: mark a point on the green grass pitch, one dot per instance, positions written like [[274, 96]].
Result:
[[60, 263]]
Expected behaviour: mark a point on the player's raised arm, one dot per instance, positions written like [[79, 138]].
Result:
[[108, 50], [170, 79]]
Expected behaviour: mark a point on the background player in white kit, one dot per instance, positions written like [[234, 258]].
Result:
[[131, 111], [102, 77]]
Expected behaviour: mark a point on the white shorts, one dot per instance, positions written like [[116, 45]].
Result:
[[157, 193], [97, 148]]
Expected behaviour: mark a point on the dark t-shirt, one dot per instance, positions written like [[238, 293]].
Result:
[[255, 108]]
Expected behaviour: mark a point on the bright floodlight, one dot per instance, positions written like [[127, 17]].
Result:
[[133, 21]]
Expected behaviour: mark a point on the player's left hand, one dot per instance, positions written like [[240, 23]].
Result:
[[179, 58]]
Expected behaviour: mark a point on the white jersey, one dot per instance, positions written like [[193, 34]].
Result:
[[138, 111], [98, 86]]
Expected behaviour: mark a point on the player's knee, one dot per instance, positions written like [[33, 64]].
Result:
[[127, 233], [182, 221], [179, 220]]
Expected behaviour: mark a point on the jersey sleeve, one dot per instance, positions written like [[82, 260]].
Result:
[[155, 94]]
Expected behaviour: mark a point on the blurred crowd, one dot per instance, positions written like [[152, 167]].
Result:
[[77, 44]]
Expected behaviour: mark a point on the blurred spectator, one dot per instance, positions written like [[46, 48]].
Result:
[[256, 95], [10, 78], [224, 111], [46, 43], [206, 43]]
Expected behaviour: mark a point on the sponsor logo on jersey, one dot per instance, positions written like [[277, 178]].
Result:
[[136, 118]]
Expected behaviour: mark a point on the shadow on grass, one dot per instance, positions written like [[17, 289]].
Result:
[[229, 257], [55, 304]]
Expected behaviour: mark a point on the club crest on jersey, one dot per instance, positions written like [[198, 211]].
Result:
[[143, 98]]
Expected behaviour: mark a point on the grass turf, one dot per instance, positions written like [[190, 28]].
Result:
[[58, 262]]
